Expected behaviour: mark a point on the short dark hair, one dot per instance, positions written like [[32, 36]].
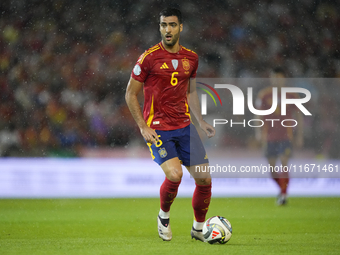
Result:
[[172, 12]]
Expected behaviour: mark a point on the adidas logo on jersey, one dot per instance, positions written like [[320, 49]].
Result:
[[164, 66]]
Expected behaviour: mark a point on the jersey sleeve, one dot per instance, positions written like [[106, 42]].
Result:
[[141, 68]]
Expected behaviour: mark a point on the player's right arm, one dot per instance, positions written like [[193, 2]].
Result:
[[134, 87], [196, 109]]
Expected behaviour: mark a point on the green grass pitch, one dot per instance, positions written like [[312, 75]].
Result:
[[128, 226]]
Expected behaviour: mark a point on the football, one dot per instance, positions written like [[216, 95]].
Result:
[[217, 229]]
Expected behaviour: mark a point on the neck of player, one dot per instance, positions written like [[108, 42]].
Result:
[[172, 49]]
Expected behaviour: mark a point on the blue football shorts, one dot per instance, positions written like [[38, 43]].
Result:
[[183, 143], [275, 149]]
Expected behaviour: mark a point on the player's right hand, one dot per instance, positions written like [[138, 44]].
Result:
[[207, 128], [149, 135]]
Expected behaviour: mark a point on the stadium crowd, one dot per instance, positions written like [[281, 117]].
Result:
[[64, 65]]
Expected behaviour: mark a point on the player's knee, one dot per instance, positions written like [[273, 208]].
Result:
[[203, 181], [175, 175]]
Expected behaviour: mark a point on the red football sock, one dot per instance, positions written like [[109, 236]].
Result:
[[168, 193], [284, 185], [201, 201], [277, 180]]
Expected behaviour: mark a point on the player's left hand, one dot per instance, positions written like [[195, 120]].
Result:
[[207, 128]]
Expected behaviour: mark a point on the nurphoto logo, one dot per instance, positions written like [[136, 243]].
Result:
[[279, 98]]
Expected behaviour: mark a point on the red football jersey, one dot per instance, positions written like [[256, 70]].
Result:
[[166, 78], [274, 131]]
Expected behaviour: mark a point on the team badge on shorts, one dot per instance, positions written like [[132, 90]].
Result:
[[162, 152]]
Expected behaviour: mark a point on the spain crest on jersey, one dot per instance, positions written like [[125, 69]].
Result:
[[186, 64], [162, 152]]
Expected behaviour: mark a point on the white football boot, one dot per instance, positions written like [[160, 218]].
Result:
[[164, 229], [197, 234], [281, 200]]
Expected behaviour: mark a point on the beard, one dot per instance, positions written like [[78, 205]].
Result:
[[173, 40]]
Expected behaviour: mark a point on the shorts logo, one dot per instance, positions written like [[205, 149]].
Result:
[[162, 152]]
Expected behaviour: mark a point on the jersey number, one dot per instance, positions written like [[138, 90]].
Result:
[[174, 80]]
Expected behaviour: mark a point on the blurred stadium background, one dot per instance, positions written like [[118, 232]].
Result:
[[64, 67]]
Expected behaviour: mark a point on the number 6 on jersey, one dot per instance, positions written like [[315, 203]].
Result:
[[174, 80]]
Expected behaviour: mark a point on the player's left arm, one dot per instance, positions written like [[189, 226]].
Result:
[[195, 108]]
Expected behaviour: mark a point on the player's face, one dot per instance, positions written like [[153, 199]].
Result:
[[170, 30]]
